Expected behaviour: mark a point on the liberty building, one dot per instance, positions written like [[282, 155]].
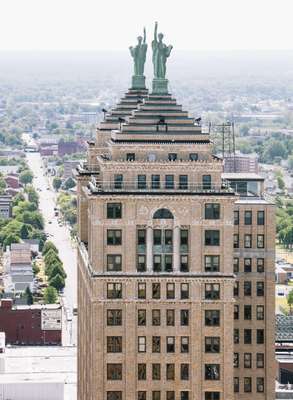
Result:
[[175, 260]]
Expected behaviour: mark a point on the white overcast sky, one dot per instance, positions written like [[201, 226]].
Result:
[[114, 24]]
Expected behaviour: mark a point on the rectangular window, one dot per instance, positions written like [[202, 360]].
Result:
[[260, 288], [157, 237], [170, 372], [114, 210], [184, 291], [155, 181], [168, 258], [236, 360], [236, 312], [168, 236], [260, 266], [156, 395], [260, 383], [141, 395], [170, 290], [212, 317], [236, 241], [260, 360], [236, 384], [212, 344], [114, 237], [260, 313], [156, 290], [247, 217], [212, 263], [141, 290], [260, 241], [236, 289], [212, 238], [183, 182], [183, 240], [236, 336], [184, 395], [236, 217], [206, 182], [114, 317], [170, 317], [114, 262], [260, 336], [169, 181], [156, 317], [114, 290], [184, 317], [141, 343], [141, 372], [141, 317], [170, 395], [170, 344], [212, 211], [247, 241], [156, 344], [212, 372], [212, 291], [114, 372], [141, 237], [156, 372], [247, 288], [193, 156], [247, 265], [260, 218], [114, 395], [184, 347], [236, 265], [172, 156], [184, 372], [141, 263], [130, 157], [157, 263], [247, 360], [212, 396], [114, 344], [184, 263], [247, 336], [247, 312], [247, 385], [118, 181], [141, 182]]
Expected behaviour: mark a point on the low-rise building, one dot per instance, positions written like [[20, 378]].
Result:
[[241, 163], [5, 206]]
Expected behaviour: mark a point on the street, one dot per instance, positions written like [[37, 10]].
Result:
[[60, 236]]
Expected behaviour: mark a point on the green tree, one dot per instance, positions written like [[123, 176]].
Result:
[[50, 295], [290, 300], [36, 268], [56, 269], [48, 246], [57, 182], [33, 218], [274, 148], [26, 177], [58, 282], [29, 296], [69, 183], [10, 238], [25, 231], [281, 183], [33, 196], [290, 162]]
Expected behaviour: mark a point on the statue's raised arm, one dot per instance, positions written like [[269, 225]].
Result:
[[156, 32], [144, 35]]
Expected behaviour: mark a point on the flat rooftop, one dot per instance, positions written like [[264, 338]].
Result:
[[242, 176]]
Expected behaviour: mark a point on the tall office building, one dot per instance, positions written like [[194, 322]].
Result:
[[175, 264]]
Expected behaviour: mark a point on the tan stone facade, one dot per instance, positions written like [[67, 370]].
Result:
[[157, 273]]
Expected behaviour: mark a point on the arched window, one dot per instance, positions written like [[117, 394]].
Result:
[[163, 213]]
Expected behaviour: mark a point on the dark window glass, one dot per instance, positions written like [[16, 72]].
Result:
[[247, 312], [114, 344], [114, 291], [236, 311], [212, 211], [114, 262], [156, 344], [236, 217], [260, 360], [141, 263], [236, 360], [206, 181], [170, 317], [260, 218], [184, 395], [260, 241], [184, 240], [118, 181], [155, 181], [114, 237], [184, 267], [170, 372], [193, 156], [157, 237], [168, 258], [212, 372], [212, 238], [184, 317], [184, 372], [212, 291], [157, 263], [141, 372], [156, 290], [156, 372], [236, 384], [212, 396], [170, 344], [114, 372], [247, 241], [172, 156], [114, 395], [141, 237], [141, 317], [169, 181], [236, 241], [260, 384], [114, 317], [260, 288], [212, 344], [184, 348], [141, 182], [247, 217], [212, 317], [236, 265], [170, 395], [183, 182], [247, 264], [130, 157], [260, 336], [247, 385], [236, 336], [114, 210], [141, 290], [260, 266], [212, 263], [170, 290], [236, 289], [184, 293], [156, 317], [247, 336], [156, 395], [247, 360], [247, 288], [163, 213]]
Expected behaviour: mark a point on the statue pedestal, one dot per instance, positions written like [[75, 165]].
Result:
[[138, 82], [160, 86]]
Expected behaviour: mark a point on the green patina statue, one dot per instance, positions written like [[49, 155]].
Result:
[[160, 54], [138, 54]]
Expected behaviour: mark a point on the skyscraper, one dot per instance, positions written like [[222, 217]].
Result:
[[175, 263]]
